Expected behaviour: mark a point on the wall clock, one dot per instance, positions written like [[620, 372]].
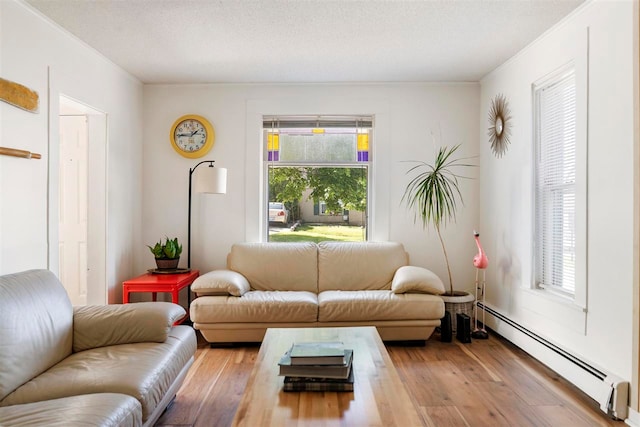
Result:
[[499, 125], [192, 136]]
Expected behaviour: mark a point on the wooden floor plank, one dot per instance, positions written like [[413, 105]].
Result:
[[570, 396], [223, 401], [484, 383], [561, 416], [499, 359], [472, 403], [445, 416], [189, 401], [510, 405]]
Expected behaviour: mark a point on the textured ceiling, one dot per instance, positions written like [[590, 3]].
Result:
[[207, 41]]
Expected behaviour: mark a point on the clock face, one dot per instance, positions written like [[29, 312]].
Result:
[[190, 135]]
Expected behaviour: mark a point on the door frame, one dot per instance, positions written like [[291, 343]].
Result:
[[97, 125]]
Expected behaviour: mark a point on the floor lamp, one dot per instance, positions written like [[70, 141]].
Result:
[[210, 180]]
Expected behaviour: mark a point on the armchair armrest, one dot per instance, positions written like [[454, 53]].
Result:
[[411, 279], [103, 325]]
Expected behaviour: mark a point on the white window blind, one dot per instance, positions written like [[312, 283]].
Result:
[[555, 204]]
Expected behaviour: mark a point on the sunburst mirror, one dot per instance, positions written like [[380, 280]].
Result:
[[499, 125]]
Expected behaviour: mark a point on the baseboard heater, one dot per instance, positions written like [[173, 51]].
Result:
[[614, 395]]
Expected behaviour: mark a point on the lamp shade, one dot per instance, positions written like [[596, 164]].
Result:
[[211, 180]]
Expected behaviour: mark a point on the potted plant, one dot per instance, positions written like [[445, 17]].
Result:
[[433, 195], [167, 255]]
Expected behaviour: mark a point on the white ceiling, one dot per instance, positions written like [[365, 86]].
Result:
[[249, 41]]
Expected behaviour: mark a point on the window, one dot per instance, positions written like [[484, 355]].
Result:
[[319, 167], [322, 208], [556, 183]]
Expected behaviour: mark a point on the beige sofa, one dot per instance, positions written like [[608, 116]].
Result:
[[317, 285], [115, 365]]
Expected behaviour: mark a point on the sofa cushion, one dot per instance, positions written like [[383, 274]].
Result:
[[342, 306], [105, 325], [220, 282], [142, 370], [276, 266], [257, 306], [36, 326], [352, 266], [411, 279], [100, 409]]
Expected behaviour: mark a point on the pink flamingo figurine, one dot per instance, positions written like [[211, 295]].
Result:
[[480, 262]]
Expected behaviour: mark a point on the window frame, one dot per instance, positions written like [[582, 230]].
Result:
[[578, 294], [326, 122]]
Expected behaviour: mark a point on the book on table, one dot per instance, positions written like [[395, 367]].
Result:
[[317, 353], [318, 384], [337, 371]]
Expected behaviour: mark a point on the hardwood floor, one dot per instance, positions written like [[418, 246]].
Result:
[[485, 383]]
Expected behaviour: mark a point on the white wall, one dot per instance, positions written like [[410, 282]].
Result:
[[405, 114], [37, 54], [603, 333]]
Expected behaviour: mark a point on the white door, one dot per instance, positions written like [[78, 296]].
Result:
[[73, 207], [78, 202]]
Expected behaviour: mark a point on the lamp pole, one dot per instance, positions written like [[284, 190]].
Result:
[[191, 171]]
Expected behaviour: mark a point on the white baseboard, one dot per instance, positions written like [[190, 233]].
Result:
[[633, 419]]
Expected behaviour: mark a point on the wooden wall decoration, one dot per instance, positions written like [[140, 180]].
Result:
[[19, 153], [19, 96]]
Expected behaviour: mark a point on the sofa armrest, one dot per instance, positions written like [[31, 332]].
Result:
[[103, 325], [220, 282], [411, 279]]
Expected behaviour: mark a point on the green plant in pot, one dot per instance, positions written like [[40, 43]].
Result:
[[434, 196], [167, 255]]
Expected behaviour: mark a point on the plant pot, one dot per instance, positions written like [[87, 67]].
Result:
[[167, 264], [459, 302]]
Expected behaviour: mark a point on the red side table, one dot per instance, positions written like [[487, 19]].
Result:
[[155, 283]]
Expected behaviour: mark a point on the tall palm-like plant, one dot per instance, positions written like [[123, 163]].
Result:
[[434, 193]]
